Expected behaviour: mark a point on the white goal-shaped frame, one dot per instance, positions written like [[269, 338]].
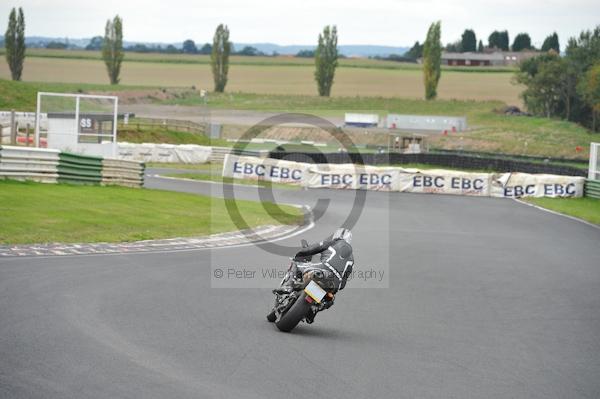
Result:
[[81, 123], [594, 169]]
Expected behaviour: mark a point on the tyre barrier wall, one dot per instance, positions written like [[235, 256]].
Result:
[[52, 166], [592, 188], [435, 181], [122, 173], [448, 160], [183, 153], [166, 153], [219, 153]]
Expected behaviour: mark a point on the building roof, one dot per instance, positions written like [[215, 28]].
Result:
[[473, 56], [495, 56]]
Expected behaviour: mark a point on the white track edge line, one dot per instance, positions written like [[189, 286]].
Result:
[[541, 208]]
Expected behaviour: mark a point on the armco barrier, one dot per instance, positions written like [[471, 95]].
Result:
[[52, 166], [79, 169], [21, 163], [592, 188], [447, 160]]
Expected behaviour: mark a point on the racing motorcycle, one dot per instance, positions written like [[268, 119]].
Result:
[[305, 290]]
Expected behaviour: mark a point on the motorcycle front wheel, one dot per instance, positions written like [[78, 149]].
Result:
[[297, 312]]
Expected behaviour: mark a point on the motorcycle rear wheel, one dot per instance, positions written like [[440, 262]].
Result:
[[294, 315]]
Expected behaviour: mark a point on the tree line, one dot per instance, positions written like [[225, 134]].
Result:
[[188, 47], [568, 86], [496, 41]]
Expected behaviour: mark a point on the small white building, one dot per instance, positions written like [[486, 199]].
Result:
[[361, 120], [94, 134], [496, 58], [426, 122], [79, 123]]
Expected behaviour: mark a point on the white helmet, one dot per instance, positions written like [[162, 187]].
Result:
[[343, 234]]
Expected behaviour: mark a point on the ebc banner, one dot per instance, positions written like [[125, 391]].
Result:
[[348, 176], [516, 185], [437, 181], [267, 169]]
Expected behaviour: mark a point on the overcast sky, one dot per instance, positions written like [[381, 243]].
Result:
[[383, 22]]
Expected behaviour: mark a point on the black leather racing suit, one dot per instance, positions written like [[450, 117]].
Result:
[[336, 257]]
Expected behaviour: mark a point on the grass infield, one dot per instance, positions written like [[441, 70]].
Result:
[[584, 208], [42, 213]]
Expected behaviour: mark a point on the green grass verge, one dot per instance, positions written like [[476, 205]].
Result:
[[583, 208], [329, 106], [132, 134], [216, 177], [22, 96], [41, 213]]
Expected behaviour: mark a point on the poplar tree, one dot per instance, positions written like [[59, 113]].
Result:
[[219, 57], [14, 42], [112, 48], [326, 60], [432, 59]]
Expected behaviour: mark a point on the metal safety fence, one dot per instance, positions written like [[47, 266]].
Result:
[[21, 163], [79, 169]]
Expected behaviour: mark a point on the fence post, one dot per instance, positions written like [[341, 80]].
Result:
[[13, 128], [593, 161], [27, 135]]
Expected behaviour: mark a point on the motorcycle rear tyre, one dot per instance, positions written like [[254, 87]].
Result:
[[294, 315]]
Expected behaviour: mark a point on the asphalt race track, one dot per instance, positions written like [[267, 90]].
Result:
[[487, 298]]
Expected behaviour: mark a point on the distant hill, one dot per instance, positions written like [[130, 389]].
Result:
[[349, 50]]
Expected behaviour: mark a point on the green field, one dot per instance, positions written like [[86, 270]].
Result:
[[269, 75], [583, 208], [42, 213]]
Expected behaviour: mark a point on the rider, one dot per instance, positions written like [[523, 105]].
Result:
[[336, 257]]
